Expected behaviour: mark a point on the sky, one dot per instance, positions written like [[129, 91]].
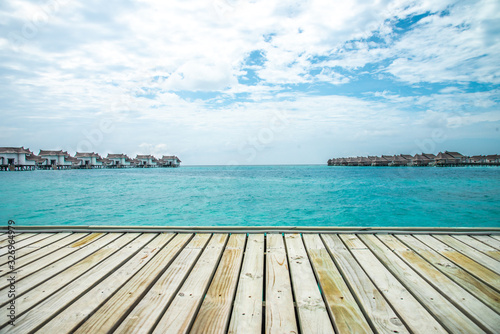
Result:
[[233, 82]]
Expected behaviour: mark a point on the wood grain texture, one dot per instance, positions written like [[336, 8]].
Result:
[[68, 319], [481, 314], [447, 313], [214, 313], [247, 310], [470, 252], [182, 311], [414, 315], [25, 243], [148, 311], [37, 272], [483, 273], [55, 294], [106, 318], [313, 314], [488, 240], [280, 312], [482, 291], [28, 255], [480, 246], [377, 309]]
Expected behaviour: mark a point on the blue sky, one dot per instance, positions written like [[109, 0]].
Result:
[[251, 82]]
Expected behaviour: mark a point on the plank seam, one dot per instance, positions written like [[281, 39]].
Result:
[[117, 267], [407, 288], [449, 299], [295, 308], [188, 272]]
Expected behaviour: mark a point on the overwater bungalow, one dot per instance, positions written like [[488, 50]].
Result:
[[14, 158], [449, 158], [363, 161], [55, 159], [380, 161], [492, 159], [169, 161], [119, 160], [89, 160], [146, 161]]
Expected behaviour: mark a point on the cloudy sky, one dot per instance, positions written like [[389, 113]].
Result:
[[251, 82]]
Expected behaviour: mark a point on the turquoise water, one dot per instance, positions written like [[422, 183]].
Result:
[[254, 195]]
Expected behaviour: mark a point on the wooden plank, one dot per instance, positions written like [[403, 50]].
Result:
[[480, 246], [29, 276], [462, 277], [280, 312], [52, 295], [470, 252], [488, 240], [17, 238], [312, 313], [37, 245], [26, 242], [481, 314], [247, 309], [181, 312], [148, 311], [45, 251], [69, 318], [376, 308], [214, 313], [474, 268], [414, 315], [447, 314], [496, 236], [108, 316]]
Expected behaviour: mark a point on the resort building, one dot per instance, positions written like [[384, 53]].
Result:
[[146, 161], [169, 161], [119, 160], [89, 160], [447, 158], [55, 159], [14, 158]]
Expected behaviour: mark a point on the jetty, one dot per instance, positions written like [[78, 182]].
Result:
[[442, 159], [98, 279]]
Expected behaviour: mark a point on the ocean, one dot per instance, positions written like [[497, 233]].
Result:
[[254, 196]]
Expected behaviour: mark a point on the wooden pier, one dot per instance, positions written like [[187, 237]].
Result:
[[251, 280]]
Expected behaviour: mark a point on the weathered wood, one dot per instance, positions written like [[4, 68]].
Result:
[[414, 315], [377, 309], [280, 313], [470, 252], [56, 293], [214, 313], [313, 315], [488, 240], [181, 312], [69, 318], [462, 277], [38, 245], [476, 269], [148, 311], [447, 314], [25, 243], [480, 246], [116, 308], [35, 273], [17, 238], [247, 309], [481, 314]]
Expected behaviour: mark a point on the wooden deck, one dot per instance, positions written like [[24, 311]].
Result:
[[311, 282]]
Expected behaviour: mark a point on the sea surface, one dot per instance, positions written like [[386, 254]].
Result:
[[254, 196]]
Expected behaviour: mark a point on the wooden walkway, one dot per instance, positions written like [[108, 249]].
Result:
[[149, 282]]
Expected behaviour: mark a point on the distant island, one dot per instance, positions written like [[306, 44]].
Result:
[[20, 158], [442, 159]]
